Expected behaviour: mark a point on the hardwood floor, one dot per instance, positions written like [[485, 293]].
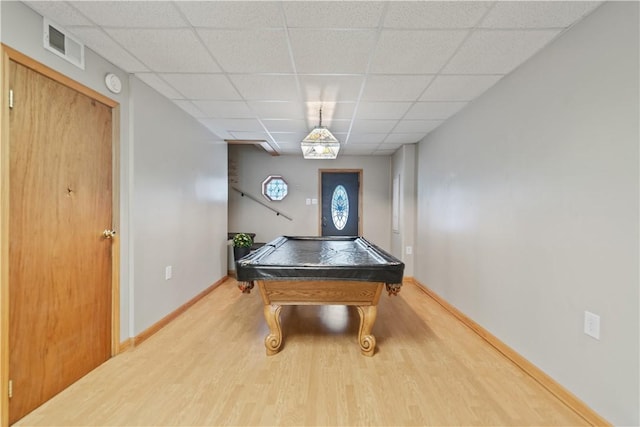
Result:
[[208, 367]]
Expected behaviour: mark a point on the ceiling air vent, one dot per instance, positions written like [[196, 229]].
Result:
[[57, 40]]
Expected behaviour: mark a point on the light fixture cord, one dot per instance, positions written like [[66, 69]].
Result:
[[320, 117]]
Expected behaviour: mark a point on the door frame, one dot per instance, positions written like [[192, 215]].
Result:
[[8, 54], [360, 211]]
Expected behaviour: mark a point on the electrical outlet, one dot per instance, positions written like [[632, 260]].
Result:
[[168, 272], [592, 325]]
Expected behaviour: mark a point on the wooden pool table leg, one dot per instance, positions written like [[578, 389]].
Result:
[[273, 341], [367, 341]]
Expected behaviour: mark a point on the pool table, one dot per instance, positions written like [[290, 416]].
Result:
[[320, 271]]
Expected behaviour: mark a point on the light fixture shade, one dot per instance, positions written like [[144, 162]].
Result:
[[318, 150], [320, 144], [320, 134]]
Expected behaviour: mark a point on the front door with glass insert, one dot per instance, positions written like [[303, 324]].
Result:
[[340, 203]]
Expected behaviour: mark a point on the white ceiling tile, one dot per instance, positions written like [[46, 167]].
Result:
[[405, 138], [238, 125], [536, 14], [333, 14], [329, 89], [159, 85], [166, 50], [202, 86], [278, 109], [382, 110], [331, 51], [336, 126], [189, 108], [233, 14], [132, 14], [384, 151], [286, 125], [373, 126], [97, 40], [366, 137], [415, 52], [358, 149], [288, 137], [394, 88], [250, 135], [250, 50], [340, 136], [458, 88], [434, 110], [355, 152], [330, 110], [216, 127], [224, 109], [434, 14], [61, 13], [497, 51], [390, 146], [266, 87], [417, 126]]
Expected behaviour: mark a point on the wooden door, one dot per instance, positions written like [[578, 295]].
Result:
[[340, 203], [60, 201]]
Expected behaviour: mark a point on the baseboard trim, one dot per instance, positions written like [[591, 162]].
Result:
[[147, 333], [125, 345], [561, 393]]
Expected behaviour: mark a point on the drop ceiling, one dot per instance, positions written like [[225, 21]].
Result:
[[384, 73]]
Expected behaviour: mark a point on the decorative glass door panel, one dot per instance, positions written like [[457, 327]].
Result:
[[340, 207], [340, 203]]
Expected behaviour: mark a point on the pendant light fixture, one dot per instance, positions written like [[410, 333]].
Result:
[[320, 143]]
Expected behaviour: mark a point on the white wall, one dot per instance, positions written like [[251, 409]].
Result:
[[253, 165], [22, 31], [179, 206], [404, 169], [528, 210]]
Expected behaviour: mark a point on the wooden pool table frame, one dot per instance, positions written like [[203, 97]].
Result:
[[363, 295]]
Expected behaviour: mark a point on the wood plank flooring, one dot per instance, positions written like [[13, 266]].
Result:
[[208, 367]]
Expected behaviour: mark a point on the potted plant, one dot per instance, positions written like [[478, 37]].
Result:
[[241, 245]]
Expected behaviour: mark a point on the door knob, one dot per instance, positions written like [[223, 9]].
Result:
[[109, 233]]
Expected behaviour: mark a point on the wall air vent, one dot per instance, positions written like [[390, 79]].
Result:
[[57, 40]]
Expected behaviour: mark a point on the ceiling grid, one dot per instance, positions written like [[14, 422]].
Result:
[[385, 73]]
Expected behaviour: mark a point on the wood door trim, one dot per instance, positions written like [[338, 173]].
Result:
[[8, 54], [4, 240], [36, 66], [115, 218], [360, 211]]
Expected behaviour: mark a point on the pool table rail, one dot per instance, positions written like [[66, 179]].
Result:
[[349, 258], [286, 292]]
